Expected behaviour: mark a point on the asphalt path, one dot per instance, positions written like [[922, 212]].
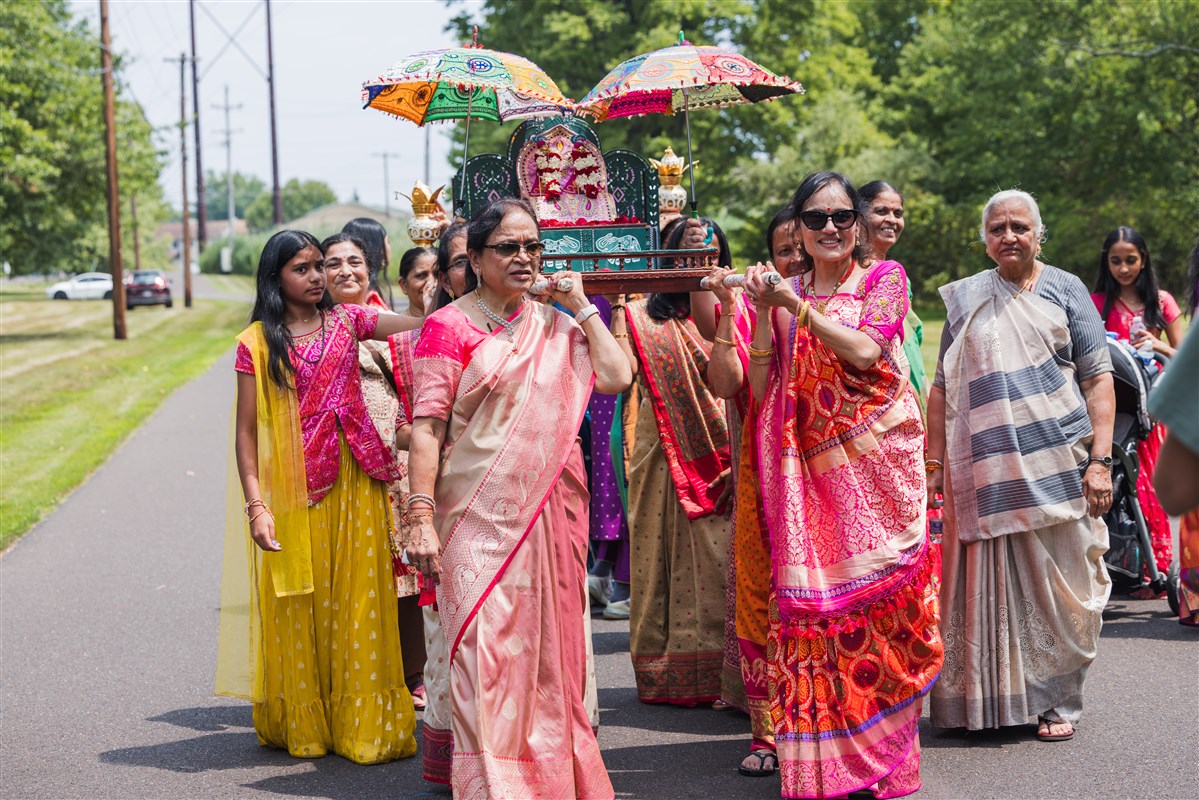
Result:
[[108, 628]]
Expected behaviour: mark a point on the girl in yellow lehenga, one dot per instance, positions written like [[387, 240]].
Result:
[[312, 638]]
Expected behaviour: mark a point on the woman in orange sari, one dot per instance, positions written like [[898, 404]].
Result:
[[678, 488], [854, 645], [731, 331], [499, 513]]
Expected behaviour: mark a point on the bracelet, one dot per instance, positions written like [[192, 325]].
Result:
[[585, 313], [802, 309], [753, 351], [931, 465], [421, 497], [622, 335], [763, 360], [617, 307], [257, 502], [264, 510], [725, 342]]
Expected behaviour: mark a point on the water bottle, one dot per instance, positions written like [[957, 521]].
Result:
[[1145, 350]]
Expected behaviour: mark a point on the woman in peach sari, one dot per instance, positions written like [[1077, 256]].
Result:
[[499, 513]]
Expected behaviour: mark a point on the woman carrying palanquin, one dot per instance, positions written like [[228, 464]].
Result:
[[731, 330], [854, 644], [678, 488], [506, 494], [1021, 412]]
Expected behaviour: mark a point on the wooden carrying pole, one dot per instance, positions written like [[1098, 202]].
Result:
[[114, 196]]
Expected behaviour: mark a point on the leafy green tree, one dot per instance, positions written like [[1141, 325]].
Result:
[[298, 199], [52, 171], [246, 189]]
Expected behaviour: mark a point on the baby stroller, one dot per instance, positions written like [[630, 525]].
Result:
[[1129, 558]]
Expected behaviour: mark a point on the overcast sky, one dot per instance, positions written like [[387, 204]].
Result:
[[323, 49]]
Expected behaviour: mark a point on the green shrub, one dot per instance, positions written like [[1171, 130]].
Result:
[[246, 250]]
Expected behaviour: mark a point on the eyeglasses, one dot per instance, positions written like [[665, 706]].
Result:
[[510, 249], [460, 263], [815, 220]]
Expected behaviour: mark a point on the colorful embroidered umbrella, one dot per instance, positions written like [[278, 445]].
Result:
[[679, 78], [468, 82]]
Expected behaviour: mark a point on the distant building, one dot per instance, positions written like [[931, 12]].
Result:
[[217, 231]]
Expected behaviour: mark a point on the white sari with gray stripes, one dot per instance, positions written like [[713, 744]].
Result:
[[1023, 582]]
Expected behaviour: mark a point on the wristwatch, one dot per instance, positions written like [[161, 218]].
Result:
[[1106, 461]]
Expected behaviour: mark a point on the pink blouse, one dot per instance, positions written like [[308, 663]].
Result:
[[447, 341], [883, 297], [329, 393], [1119, 321]]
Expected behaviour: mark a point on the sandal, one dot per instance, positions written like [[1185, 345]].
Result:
[[1047, 725], [768, 764]]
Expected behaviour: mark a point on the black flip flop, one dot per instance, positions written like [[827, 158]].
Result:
[[1053, 737], [761, 771]]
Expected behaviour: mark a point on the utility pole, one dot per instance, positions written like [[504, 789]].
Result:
[[276, 195], [386, 184], [229, 164], [137, 239], [114, 196], [201, 202], [185, 257]]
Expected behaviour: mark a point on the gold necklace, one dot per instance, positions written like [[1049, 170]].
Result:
[[820, 305], [1035, 272]]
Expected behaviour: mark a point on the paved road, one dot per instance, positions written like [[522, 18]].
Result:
[[108, 621]]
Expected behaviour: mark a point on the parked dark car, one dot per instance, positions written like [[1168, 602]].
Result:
[[147, 287]]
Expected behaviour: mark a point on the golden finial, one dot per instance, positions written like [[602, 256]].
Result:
[[671, 167]]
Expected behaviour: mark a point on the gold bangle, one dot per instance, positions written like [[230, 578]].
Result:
[[725, 342], [931, 465], [753, 351], [760, 360], [620, 336]]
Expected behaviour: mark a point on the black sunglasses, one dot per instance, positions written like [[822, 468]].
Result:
[[510, 249], [816, 220]]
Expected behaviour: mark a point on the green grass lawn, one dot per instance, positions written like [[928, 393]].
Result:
[[70, 393], [232, 285]]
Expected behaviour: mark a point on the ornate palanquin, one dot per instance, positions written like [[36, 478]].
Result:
[[595, 208]]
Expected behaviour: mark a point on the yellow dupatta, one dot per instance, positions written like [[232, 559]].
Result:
[[284, 486]]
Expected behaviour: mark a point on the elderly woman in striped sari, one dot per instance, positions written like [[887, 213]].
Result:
[[1021, 414]]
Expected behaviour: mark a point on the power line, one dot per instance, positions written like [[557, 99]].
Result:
[[231, 39]]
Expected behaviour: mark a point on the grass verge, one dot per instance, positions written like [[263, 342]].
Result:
[[70, 393]]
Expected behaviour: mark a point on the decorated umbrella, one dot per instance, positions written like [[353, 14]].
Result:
[[682, 77], [467, 82]]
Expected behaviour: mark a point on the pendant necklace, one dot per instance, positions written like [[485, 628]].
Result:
[[1035, 272], [509, 327], [820, 305]]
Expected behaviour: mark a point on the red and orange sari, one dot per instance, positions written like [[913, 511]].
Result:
[[512, 513], [853, 644]]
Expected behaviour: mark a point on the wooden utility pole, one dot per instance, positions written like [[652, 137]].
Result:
[[137, 239], [201, 202], [114, 196], [276, 195], [386, 181], [186, 255]]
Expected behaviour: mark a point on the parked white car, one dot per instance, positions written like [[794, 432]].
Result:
[[88, 286]]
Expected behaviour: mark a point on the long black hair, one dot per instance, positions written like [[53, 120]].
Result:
[[1146, 284], [812, 183], [269, 308], [443, 298], [373, 236], [677, 305]]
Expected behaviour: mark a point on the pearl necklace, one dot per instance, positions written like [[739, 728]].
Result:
[[509, 327]]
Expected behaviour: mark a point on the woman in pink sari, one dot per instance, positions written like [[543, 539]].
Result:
[[854, 644], [499, 513]]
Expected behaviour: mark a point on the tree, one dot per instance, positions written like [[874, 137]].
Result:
[[246, 189], [52, 174], [298, 199]]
